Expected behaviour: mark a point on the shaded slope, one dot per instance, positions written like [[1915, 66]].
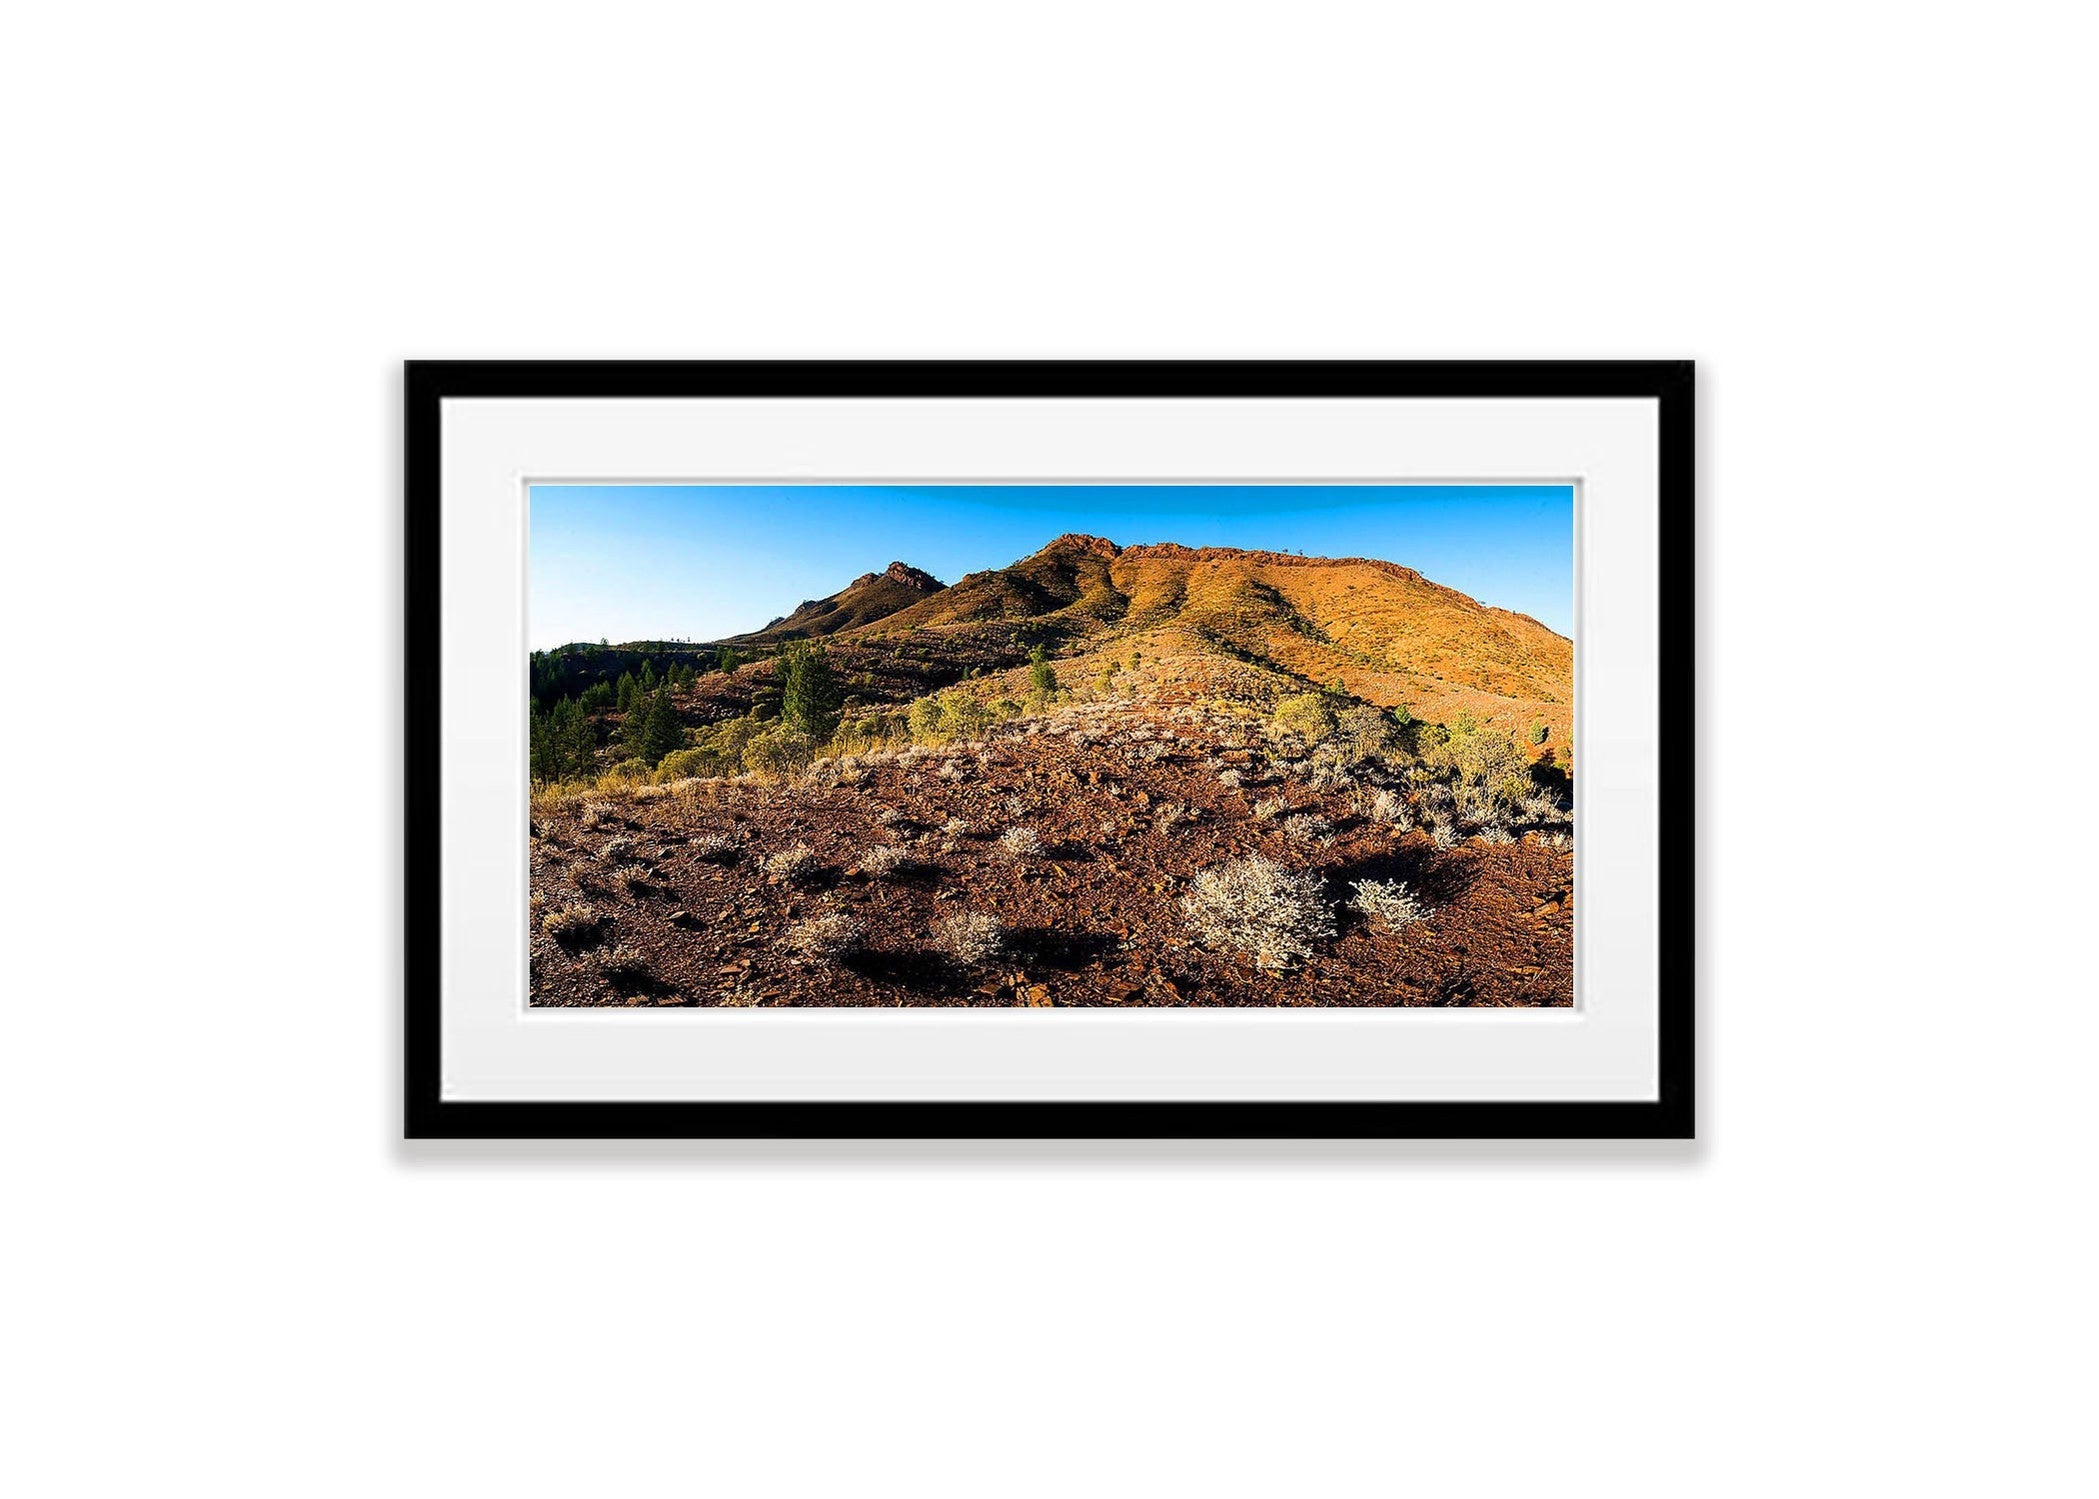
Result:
[[868, 598]]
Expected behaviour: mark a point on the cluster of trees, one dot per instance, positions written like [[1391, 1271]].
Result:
[[632, 687], [564, 742], [786, 728], [651, 729], [596, 675]]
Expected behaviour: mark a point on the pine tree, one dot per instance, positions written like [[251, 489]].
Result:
[[627, 689], [543, 750], [564, 745], [1042, 677], [663, 731], [652, 729], [809, 698]]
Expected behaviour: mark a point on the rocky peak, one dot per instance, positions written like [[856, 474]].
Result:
[[900, 572], [1073, 541]]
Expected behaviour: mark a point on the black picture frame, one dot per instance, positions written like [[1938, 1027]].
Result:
[[429, 383]]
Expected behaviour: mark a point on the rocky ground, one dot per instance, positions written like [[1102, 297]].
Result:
[[1081, 832]]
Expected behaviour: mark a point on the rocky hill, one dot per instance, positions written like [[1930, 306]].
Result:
[[868, 598], [1384, 632]]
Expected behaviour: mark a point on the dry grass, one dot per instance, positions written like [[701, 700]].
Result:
[[830, 938], [575, 926], [622, 966], [798, 863], [969, 938], [1543, 806]]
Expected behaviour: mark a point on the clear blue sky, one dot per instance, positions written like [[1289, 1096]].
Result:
[[650, 562]]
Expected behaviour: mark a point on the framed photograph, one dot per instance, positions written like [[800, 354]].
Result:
[[1049, 749]]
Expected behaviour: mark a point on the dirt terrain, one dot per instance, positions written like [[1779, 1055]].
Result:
[[1128, 800], [1250, 778]]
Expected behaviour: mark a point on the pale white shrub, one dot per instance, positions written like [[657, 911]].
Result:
[[1255, 905], [829, 938], [1388, 901], [796, 863], [1020, 843], [1309, 827], [713, 848], [969, 938], [883, 860]]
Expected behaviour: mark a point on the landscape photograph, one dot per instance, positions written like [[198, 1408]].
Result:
[[1051, 745]]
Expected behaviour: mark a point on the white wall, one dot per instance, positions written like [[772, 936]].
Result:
[[227, 224]]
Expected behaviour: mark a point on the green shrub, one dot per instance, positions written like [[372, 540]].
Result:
[[1042, 677], [963, 714], [682, 764], [1489, 766], [869, 731], [1307, 714], [926, 719], [1538, 733], [778, 752]]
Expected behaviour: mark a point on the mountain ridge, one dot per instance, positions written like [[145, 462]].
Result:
[[1378, 630]]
